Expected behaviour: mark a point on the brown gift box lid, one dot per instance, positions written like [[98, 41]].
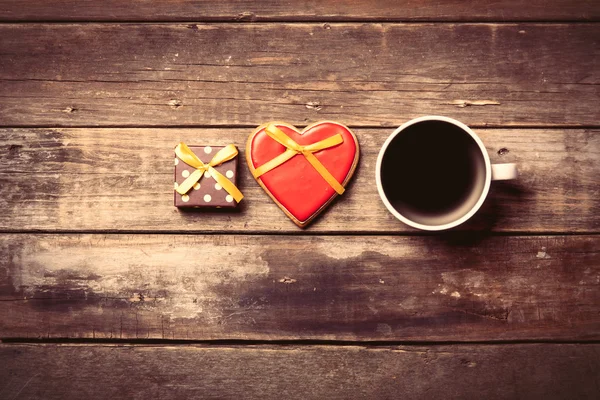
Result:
[[206, 193]]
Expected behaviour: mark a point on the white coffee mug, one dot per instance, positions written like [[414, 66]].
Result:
[[434, 173]]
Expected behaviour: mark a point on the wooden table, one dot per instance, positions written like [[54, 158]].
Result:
[[108, 291]]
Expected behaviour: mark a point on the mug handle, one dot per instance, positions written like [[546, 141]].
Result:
[[502, 172]]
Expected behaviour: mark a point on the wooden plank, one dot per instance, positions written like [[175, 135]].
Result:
[[303, 10], [246, 74], [122, 180], [438, 288], [528, 371]]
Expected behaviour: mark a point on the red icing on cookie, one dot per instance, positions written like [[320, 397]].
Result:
[[296, 185]]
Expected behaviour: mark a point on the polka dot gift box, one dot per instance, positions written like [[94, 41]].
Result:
[[206, 176]]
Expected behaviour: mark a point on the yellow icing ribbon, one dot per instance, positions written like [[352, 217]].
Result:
[[293, 148], [227, 153]]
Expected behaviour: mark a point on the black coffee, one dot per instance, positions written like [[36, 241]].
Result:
[[433, 172]]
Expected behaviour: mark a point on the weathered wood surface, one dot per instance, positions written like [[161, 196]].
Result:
[[302, 10], [246, 74], [220, 79], [521, 371], [450, 287], [122, 180]]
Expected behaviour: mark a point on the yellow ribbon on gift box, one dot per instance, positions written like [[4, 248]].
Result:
[[227, 153], [293, 148]]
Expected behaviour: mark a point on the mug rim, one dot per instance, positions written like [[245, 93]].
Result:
[[471, 212]]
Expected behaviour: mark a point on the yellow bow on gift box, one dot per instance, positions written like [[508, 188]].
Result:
[[293, 148], [227, 153]]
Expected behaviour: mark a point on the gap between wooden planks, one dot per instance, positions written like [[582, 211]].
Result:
[[454, 287], [122, 180], [302, 10], [246, 74], [537, 371]]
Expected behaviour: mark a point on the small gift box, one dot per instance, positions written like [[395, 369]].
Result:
[[206, 176]]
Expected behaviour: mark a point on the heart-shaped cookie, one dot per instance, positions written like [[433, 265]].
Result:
[[302, 171]]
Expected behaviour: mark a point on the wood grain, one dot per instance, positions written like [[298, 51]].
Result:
[[122, 180], [528, 371], [302, 10], [459, 287], [245, 74], [92, 250]]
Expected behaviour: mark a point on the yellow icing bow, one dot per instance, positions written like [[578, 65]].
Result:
[[227, 153], [293, 148]]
